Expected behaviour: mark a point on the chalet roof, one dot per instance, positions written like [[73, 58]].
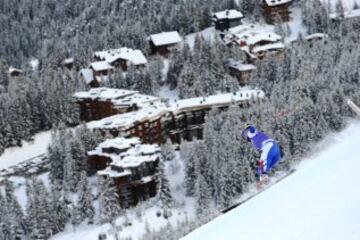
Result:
[[241, 28], [268, 47], [135, 57], [228, 14], [13, 70], [140, 100], [100, 66], [253, 37], [120, 143], [316, 36], [239, 65], [165, 38], [87, 74], [216, 100], [104, 94], [273, 3], [127, 120], [354, 13], [68, 61], [113, 173], [134, 161], [134, 155]]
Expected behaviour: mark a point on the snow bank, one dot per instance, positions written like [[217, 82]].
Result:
[[15, 155], [319, 201]]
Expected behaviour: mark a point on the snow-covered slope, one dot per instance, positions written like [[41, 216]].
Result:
[[319, 201], [15, 155]]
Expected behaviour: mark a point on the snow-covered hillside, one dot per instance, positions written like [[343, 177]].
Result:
[[15, 155], [319, 201]]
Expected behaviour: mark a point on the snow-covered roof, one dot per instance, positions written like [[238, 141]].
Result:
[[268, 47], [165, 38], [140, 100], [13, 70], [273, 3], [228, 14], [113, 173], [241, 28], [120, 143], [135, 57], [216, 100], [348, 14], [316, 35], [127, 120], [104, 94], [87, 74], [134, 161], [239, 65], [69, 60], [100, 66], [253, 37]]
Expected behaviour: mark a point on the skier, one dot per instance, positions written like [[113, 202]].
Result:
[[270, 151]]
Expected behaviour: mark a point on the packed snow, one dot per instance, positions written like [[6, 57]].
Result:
[[319, 201], [15, 155]]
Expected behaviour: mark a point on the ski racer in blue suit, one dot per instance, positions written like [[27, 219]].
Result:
[[270, 151]]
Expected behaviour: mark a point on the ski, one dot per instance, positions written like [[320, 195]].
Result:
[[264, 188], [353, 106]]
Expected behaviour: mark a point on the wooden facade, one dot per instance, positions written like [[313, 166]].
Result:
[[131, 165], [275, 12], [91, 110], [225, 24], [163, 50]]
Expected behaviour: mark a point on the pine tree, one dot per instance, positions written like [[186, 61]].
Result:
[[60, 213], [109, 201], [203, 196], [84, 207], [165, 196]]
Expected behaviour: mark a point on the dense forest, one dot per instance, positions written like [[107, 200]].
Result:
[[305, 100]]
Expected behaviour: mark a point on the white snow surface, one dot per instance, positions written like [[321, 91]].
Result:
[[228, 14], [135, 57], [273, 3], [319, 201], [165, 38], [15, 155]]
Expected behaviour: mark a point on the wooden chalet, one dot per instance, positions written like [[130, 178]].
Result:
[[162, 43], [101, 69], [132, 166], [15, 72], [98, 103], [274, 10], [87, 75], [255, 43], [122, 57], [69, 63], [240, 70], [227, 19]]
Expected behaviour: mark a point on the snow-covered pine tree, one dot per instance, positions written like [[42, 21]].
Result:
[[203, 196], [165, 196], [60, 211], [167, 151], [13, 212], [109, 201], [84, 209]]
